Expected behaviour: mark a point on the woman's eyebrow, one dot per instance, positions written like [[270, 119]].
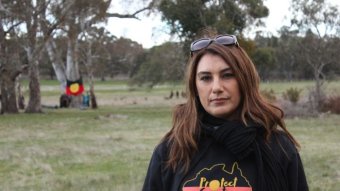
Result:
[[207, 72], [226, 70], [203, 73]]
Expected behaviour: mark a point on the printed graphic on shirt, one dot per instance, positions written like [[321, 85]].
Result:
[[217, 178]]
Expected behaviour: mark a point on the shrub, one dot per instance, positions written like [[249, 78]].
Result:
[[292, 94], [300, 110], [331, 104], [269, 94]]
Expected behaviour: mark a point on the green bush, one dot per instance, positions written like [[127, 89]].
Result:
[[292, 94], [269, 94]]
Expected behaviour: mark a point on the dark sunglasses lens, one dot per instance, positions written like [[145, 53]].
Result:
[[200, 44], [225, 40]]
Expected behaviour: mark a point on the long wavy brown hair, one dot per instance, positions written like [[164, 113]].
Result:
[[184, 136]]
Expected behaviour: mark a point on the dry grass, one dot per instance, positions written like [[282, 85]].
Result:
[[110, 148], [106, 149]]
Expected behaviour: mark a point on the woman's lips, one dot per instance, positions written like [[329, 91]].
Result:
[[218, 100]]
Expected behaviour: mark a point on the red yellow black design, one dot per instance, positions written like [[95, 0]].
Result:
[[74, 87], [217, 178]]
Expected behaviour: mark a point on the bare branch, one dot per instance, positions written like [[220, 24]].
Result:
[[13, 26], [122, 16], [133, 15], [16, 73]]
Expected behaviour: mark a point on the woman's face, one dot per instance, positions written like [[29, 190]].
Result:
[[217, 87]]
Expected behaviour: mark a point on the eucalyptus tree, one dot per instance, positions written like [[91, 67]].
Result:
[[78, 23], [287, 54], [37, 23], [19, 23], [164, 63], [55, 16], [8, 70], [187, 17], [264, 60], [319, 22], [124, 57], [91, 53], [27, 16]]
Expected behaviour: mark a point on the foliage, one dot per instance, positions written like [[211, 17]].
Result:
[[38, 24], [248, 45], [187, 17], [287, 54], [269, 94], [310, 17], [264, 60], [161, 64], [302, 51], [292, 94], [124, 55]]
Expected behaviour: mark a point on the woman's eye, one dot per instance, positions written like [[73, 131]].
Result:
[[228, 75], [205, 78]]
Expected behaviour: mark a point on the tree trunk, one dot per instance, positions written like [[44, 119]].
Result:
[[8, 74], [34, 103], [21, 99], [94, 104], [8, 95], [72, 69], [319, 80], [89, 68], [57, 63]]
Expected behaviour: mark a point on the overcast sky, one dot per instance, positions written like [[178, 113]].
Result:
[[150, 31]]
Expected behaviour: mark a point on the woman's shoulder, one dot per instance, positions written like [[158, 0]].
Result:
[[162, 149], [281, 143], [284, 138]]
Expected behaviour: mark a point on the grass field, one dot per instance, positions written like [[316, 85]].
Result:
[[109, 148]]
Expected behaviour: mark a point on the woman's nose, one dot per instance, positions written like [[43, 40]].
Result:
[[217, 86]]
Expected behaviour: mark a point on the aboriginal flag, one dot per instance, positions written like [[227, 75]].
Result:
[[74, 87]]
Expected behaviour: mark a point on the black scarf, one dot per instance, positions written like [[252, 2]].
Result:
[[244, 140]]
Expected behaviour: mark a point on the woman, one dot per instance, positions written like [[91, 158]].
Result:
[[226, 137]]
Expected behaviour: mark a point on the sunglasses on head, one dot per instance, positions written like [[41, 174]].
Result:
[[226, 40]]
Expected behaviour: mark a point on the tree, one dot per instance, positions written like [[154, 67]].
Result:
[[162, 64], [90, 53], [29, 15], [333, 70], [9, 57], [319, 22], [26, 16], [124, 55], [187, 17], [34, 22], [78, 23], [286, 54], [264, 59], [10, 69], [54, 54], [83, 16]]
